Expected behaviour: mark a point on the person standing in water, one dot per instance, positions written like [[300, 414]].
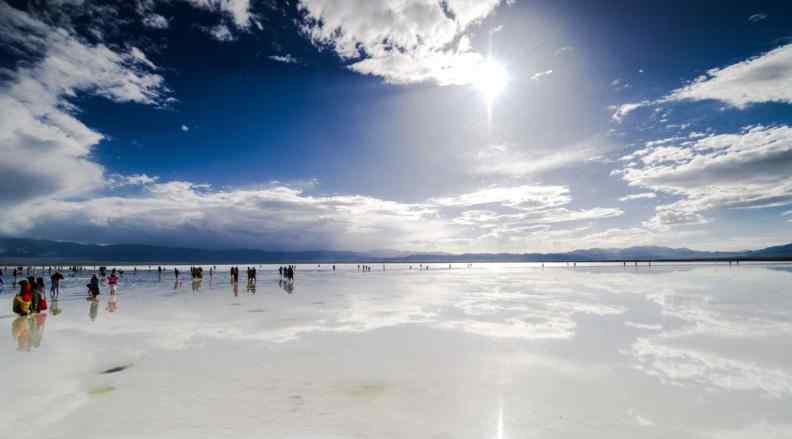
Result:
[[113, 282], [93, 287], [23, 300], [55, 280]]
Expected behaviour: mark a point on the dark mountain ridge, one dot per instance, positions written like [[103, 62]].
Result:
[[32, 251]]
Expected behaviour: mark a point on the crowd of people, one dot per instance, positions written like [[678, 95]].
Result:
[[287, 272], [31, 298]]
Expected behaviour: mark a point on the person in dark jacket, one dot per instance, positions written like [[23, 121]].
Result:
[[93, 287]]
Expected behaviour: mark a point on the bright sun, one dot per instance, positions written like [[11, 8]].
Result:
[[491, 80]]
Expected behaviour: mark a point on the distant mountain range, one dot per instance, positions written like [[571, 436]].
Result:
[[32, 251]]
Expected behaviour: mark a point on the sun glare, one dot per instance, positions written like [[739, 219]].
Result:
[[491, 80]]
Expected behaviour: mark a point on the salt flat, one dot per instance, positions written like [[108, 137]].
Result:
[[492, 351]]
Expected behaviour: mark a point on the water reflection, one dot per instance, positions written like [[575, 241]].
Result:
[[112, 303], [694, 351], [55, 308], [93, 308], [28, 331], [287, 285]]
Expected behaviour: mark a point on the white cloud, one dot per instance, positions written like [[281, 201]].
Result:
[[506, 160], [516, 197], [116, 181], [39, 126], [621, 111], [749, 169], [156, 21], [642, 195], [402, 41], [499, 215], [178, 211], [238, 10], [765, 78], [288, 58], [221, 32], [185, 128], [620, 84]]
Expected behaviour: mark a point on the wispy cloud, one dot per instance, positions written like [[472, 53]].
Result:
[[756, 18], [539, 75], [643, 195], [288, 58]]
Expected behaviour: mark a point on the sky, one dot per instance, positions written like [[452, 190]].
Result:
[[411, 125]]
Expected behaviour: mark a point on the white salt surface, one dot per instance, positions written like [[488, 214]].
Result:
[[494, 351]]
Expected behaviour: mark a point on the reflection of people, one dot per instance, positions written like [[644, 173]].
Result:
[[55, 309], [236, 289], [37, 329], [28, 331], [93, 310], [112, 303], [287, 285], [20, 329]]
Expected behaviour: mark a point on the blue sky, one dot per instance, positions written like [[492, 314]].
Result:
[[461, 125]]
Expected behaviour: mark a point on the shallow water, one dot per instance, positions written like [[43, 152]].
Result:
[[492, 351]]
